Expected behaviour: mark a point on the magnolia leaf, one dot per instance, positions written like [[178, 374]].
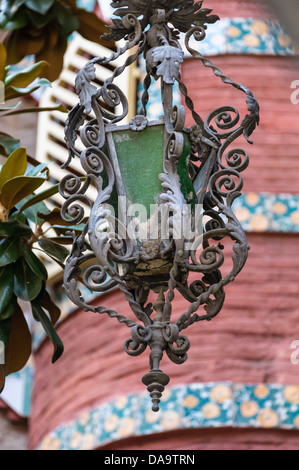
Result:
[[12, 44], [53, 218], [8, 144], [31, 43], [18, 348], [66, 19], [91, 27], [15, 92], [16, 189], [27, 76], [54, 249], [9, 251], [10, 309], [14, 229], [4, 331], [9, 108], [10, 7], [6, 286], [63, 240], [31, 212], [36, 170], [34, 263], [55, 56], [41, 316], [12, 22], [3, 57], [40, 6], [4, 336], [40, 197], [59, 108], [27, 285], [47, 303], [15, 165]]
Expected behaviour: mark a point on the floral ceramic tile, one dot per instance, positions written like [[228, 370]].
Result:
[[266, 406], [208, 405], [263, 212]]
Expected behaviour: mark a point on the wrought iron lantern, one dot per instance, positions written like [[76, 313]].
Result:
[[184, 179]]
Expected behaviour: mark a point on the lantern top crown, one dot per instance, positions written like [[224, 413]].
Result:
[[182, 14]]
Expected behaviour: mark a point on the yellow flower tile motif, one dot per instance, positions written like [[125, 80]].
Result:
[[76, 440], [251, 40], [259, 27], [261, 391], [295, 217], [249, 409], [152, 416], [88, 442], [291, 394], [284, 40], [111, 423], [166, 394], [252, 199], [126, 427], [233, 32], [268, 418], [221, 393], [121, 402], [279, 208], [242, 213], [211, 411], [259, 222], [170, 420], [190, 401], [84, 418], [50, 444]]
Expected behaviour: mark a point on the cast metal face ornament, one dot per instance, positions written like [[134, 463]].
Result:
[[160, 163]]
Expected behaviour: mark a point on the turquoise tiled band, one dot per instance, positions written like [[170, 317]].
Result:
[[211, 405], [264, 212], [246, 36]]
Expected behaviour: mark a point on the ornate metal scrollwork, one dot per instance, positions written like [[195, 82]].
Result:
[[105, 255]]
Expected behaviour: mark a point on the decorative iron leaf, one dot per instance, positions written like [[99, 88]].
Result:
[[252, 120], [84, 88], [167, 59], [183, 14]]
